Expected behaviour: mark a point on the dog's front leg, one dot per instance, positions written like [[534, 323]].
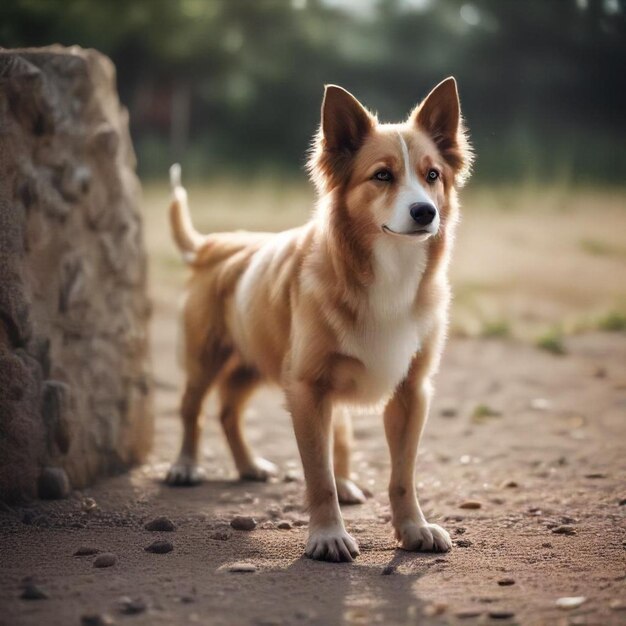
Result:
[[311, 414], [405, 417]]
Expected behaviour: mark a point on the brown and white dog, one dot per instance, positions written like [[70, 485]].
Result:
[[348, 310]]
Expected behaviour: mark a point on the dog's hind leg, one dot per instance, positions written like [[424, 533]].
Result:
[[348, 491], [202, 370], [235, 388]]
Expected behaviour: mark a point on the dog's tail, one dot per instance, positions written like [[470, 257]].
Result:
[[187, 238]]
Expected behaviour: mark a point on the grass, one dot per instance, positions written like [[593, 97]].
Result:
[[553, 342], [614, 321], [496, 329], [598, 247], [483, 412]]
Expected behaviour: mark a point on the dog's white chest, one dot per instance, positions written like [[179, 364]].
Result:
[[389, 333]]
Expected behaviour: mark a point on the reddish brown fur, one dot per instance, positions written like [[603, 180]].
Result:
[[277, 308]]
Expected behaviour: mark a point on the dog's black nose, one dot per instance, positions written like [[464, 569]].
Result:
[[423, 213]]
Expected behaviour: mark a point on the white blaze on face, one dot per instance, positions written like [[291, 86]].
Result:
[[410, 192]]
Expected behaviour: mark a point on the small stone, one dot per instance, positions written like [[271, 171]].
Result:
[[509, 484], [96, 619], [461, 530], [163, 524], [130, 606], [436, 608], [539, 404], [242, 522], [449, 411], [284, 525], [86, 551], [88, 505], [573, 602], [159, 547], [600, 372], [106, 559], [546, 544], [388, 570], [53, 484], [470, 504], [300, 522], [222, 534], [564, 529], [595, 475], [468, 613], [242, 567], [622, 502], [617, 605], [501, 614], [506, 582], [463, 543], [32, 591]]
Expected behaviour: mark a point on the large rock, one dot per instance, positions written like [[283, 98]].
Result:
[[74, 389]]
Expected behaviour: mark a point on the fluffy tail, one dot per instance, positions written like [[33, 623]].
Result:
[[187, 238]]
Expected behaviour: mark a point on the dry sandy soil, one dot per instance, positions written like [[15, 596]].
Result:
[[536, 439]]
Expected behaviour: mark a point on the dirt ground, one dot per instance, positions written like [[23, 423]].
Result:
[[536, 439]]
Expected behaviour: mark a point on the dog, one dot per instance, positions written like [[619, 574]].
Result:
[[348, 310]]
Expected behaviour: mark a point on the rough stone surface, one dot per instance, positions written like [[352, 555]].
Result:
[[74, 389]]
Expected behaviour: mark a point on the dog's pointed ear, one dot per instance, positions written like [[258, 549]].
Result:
[[345, 121], [440, 112], [439, 115]]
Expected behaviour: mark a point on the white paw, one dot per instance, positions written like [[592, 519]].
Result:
[[349, 492], [185, 472], [261, 470], [424, 537], [331, 544]]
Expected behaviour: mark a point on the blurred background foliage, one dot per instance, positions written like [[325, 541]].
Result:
[[232, 85]]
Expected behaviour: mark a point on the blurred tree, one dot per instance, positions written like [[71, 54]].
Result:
[[238, 83]]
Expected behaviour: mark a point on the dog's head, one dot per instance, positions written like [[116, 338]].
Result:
[[393, 179]]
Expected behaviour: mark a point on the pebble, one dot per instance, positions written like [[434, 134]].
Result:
[[449, 411], [106, 559], [33, 592], [291, 477], [88, 505], [53, 484], [501, 614], [222, 534], [617, 605], [96, 619], [564, 529], [300, 522], [242, 567], [595, 475], [284, 525], [510, 484], [160, 524], [130, 606], [468, 613], [622, 502], [159, 547], [470, 504], [436, 608], [506, 582], [463, 543], [539, 404], [243, 523], [86, 551], [573, 602], [460, 530], [388, 570]]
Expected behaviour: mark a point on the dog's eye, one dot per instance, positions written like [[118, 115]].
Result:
[[432, 175], [384, 176]]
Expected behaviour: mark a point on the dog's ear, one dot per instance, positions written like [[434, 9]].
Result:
[[439, 115], [345, 121]]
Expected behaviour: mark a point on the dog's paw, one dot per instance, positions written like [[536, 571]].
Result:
[[185, 473], [349, 492], [261, 470], [331, 544], [424, 537]]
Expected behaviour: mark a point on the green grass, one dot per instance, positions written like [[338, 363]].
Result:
[[483, 412], [614, 321], [597, 247], [552, 342], [496, 329]]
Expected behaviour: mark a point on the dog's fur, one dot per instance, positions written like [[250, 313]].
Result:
[[348, 310]]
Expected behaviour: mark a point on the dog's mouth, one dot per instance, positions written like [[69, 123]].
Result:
[[414, 234]]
